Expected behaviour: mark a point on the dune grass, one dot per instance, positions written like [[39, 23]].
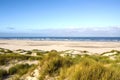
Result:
[[89, 69], [52, 64], [5, 58], [19, 69], [81, 67], [66, 67], [3, 73]]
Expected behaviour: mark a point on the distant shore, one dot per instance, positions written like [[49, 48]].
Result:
[[91, 46]]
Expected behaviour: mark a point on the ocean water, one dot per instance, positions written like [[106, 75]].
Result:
[[66, 38]]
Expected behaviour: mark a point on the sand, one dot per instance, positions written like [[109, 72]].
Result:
[[91, 46]]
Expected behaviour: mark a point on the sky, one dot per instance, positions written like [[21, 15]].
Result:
[[75, 18]]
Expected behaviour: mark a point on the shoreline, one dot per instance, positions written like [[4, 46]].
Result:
[[91, 39], [61, 40], [91, 46]]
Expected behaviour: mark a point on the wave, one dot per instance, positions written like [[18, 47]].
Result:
[[65, 38]]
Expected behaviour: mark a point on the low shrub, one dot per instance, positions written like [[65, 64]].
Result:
[[19, 68], [5, 58], [29, 52], [3, 73], [3, 61]]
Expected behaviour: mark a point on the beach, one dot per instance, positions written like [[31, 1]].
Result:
[[31, 59], [90, 46]]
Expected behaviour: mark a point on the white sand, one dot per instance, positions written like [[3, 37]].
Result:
[[94, 47]]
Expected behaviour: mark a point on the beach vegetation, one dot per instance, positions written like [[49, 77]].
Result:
[[19, 69], [6, 58], [3, 73], [52, 64], [5, 50], [89, 69], [59, 65], [29, 52]]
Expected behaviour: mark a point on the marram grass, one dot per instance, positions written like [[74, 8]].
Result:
[[89, 70]]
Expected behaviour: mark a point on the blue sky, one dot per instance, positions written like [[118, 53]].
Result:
[[60, 18]]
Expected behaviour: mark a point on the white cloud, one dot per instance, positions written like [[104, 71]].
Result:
[[76, 32]]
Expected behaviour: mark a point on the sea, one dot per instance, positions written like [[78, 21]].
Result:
[[114, 39]]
